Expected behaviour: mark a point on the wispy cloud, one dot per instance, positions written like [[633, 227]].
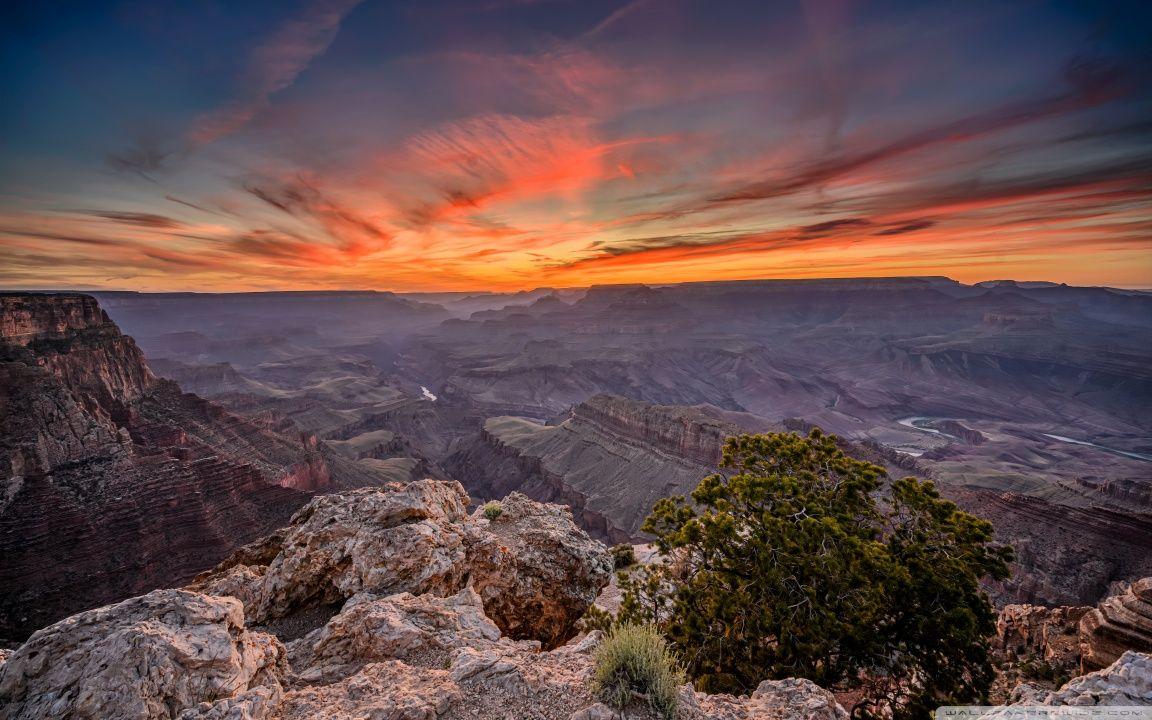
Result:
[[273, 66], [150, 220]]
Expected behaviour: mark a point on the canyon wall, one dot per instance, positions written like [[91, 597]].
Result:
[[613, 458], [115, 482]]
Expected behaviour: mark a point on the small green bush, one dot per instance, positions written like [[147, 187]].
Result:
[[623, 555], [493, 510], [595, 619], [635, 660]]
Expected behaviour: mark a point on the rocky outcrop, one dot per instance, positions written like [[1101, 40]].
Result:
[[961, 431], [789, 699], [148, 657], [681, 431], [422, 630], [1118, 624], [418, 654], [613, 458], [1064, 555], [115, 482], [535, 570], [1127, 681], [608, 471], [377, 540], [1035, 634]]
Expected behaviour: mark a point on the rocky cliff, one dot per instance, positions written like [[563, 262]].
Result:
[[1064, 555], [611, 460], [439, 614], [614, 457], [115, 482], [422, 625], [1120, 623]]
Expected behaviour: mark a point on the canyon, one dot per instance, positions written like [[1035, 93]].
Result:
[[604, 399], [116, 481]]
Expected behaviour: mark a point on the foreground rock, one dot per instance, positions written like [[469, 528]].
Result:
[[178, 655], [1037, 645], [790, 699], [535, 571], [147, 657], [1120, 623], [422, 630], [1128, 681], [377, 540]]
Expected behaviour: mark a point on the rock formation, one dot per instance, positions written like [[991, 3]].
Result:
[[379, 540], [610, 461], [1034, 634], [1064, 555], [1119, 623], [533, 569], [147, 657], [415, 628], [115, 482], [1127, 681], [789, 699], [422, 654]]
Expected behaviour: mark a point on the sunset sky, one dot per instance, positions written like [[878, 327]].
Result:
[[507, 144]]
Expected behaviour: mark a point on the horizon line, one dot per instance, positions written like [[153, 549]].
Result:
[[91, 290]]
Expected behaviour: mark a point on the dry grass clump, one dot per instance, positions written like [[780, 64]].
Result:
[[493, 510], [634, 661]]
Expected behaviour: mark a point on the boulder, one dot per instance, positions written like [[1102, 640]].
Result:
[[1119, 623], [535, 570], [1128, 681], [380, 540], [1035, 634], [789, 699], [422, 630], [389, 690], [145, 658]]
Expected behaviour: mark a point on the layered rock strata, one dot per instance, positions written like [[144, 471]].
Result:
[[115, 482], [1118, 624]]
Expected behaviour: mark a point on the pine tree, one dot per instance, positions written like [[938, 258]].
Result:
[[803, 562]]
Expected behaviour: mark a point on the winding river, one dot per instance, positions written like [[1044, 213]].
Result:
[[916, 423]]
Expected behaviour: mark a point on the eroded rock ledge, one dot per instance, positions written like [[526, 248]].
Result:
[[1119, 623], [437, 614], [442, 614]]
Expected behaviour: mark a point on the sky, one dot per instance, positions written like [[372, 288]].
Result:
[[508, 144]]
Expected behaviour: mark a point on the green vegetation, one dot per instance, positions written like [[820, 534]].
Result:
[[634, 660], [789, 566], [623, 555], [493, 509], [596, 619]]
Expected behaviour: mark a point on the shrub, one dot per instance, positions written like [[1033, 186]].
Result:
[[623, 555], [595, 619], [634, 660], [493, 510], [788, 566]]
